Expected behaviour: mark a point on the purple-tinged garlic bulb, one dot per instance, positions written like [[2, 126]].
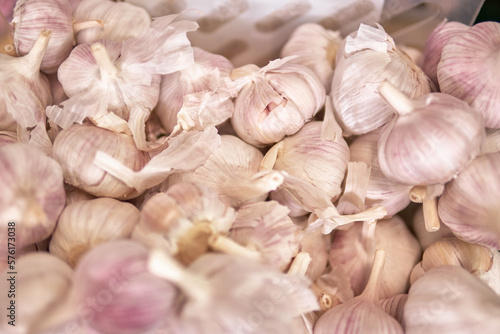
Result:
[[26, 91], [430, 140], [363, 313], [469, 204], [381, 191], [316, 48], [449, 299], [198, 77], [85, 224], [305, 155], [434, 46], [32, 194], [120, 20], [467, 70], [116, 293], [365, 61], [274, 101]]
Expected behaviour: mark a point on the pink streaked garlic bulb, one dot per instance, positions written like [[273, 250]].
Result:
[[469, 204], [430, 140], [274, 101], [467, 70]]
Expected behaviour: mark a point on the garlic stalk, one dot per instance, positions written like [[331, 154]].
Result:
[[426, 238], [428, 196], [269, 106], [363, 62], [6, 33], [363, 313], [431, 140], [27, 93], [316, 48], [33, 194], [86, 224], [467, 69], [469, 204], [465, 304]]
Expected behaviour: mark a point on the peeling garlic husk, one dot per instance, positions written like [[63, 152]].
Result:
[[469, 204], [431, 140], [426, 238], [363, 313], [465, 304], [317, 245], [364, 62], [85, 224], [467, 69], [274, 101], [305, 155], [32, 194], [316, 48], [120, 20]]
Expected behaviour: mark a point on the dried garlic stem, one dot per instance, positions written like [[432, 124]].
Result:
[[300, 264], [196, 287], [418, 193], [399, 101], [108, 70], [35, 56], [422, 194], [223, 244], [372, 287], [79, 26]]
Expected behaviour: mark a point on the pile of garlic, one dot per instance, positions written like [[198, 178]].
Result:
[[155, 188]]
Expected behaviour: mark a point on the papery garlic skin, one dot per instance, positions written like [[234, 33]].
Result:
[[316, 48], [276, 101], [75, 149], [32, 16], [362, 64], [86, 224], [467, 70], [32, 194], [469, 204]]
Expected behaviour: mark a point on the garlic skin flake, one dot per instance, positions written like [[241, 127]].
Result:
[[86, 224], [363, 62], [274, 101], [467, 70]]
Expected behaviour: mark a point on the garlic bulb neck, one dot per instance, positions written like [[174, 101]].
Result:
[[300, 264], [35, 56], [372, 287], [397, 99], [106, 67], [79, 26], [221, 243]]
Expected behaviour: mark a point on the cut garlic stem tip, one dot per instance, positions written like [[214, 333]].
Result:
[[225, 245], [79, 26], [371, 289], [431, 217], [35, 56], [326, 302], [418, 193], [101, 56], [300, 264], [397, 99]]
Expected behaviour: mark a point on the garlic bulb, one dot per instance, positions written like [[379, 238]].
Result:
[[395, 307], [467, 69], [116, 293], [86, 224], [198, 77], [393, 196], [362, 314], [316, 48], [305, 155], [469, 204], [58, 94], [353, 249], [431, 140], [364, 62], [27, 91], [274, 101], [449, 299], [160, 7], [120, 20], [223, 294], [233, 171], [426, 238], [41, 282], [32, 194], [434, 45]]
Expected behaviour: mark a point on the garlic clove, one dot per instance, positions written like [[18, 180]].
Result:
[[86, 224], [395, 307], [431, 140], [467, 69]]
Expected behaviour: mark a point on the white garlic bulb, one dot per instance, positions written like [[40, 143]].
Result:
[[305, 155], [469, 204], [33, 194], [467, 69], [431, 140], [85, 224], [449, 299], [316, 48], [363, 62], [275, 101]]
